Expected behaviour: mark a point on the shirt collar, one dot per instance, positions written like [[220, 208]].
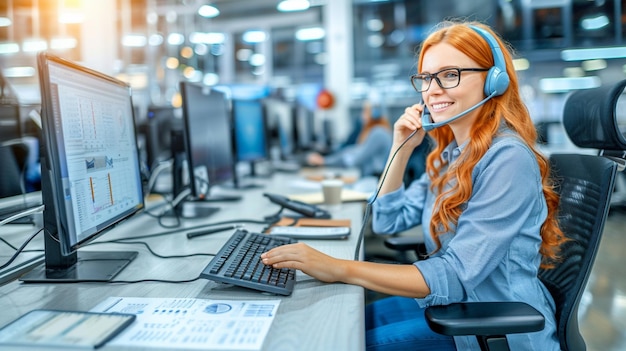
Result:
[[452, 151]]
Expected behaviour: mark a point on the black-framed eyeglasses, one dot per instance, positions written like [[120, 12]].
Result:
[[446, 78]]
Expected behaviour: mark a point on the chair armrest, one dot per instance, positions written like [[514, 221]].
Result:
[[403, 243], [484, 318]]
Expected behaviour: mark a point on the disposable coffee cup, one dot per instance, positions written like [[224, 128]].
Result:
[[331, 188]]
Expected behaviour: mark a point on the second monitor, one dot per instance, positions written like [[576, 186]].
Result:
[[208, 144], [250, 135]]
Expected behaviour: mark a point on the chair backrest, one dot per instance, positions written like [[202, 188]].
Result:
[[585, 184]]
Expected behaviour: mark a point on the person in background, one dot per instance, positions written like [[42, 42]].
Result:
[[486, 203], [369, 152]]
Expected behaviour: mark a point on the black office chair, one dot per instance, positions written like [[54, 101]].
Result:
[[585, 184]]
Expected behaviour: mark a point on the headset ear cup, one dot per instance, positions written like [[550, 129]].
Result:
[[496, 82]]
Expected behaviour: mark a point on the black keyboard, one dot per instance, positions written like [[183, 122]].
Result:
[[239, 263]]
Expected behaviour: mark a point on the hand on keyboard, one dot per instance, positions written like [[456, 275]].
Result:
[[239, 263]]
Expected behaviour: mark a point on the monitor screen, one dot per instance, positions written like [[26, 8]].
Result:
[[250, 130], [206, 116], [90, 174]]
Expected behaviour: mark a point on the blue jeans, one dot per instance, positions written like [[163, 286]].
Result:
[[398, 323]]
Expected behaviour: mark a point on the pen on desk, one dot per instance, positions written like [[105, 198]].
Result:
[[210, 231]]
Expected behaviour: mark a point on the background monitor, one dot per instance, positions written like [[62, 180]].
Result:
[[305, 128], [280, 114], [90, 174], [208, 140], [250, 132], [157, 130]]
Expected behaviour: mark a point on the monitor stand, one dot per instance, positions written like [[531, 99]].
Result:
[[90, 266], [79, 266], [239, 183], [195, 208]]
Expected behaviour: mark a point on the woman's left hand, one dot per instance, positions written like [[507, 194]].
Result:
[[303, 257]]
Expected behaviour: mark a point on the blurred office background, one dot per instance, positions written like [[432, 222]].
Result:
[[349, 47], [354, 49]]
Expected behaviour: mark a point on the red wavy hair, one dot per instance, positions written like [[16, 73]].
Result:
[[507, 107]]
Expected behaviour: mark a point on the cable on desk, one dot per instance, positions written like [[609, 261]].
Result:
[[150, 249], [132, 281], [155, 173], [15, 248], [154, 281], [171, 208], [178, 231], [22, 214], [20, 249]]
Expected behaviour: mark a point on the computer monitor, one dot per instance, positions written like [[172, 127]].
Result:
[[281, 116], [157, 130], [90, 169], [250, 133], [208, 141], [305, 128]]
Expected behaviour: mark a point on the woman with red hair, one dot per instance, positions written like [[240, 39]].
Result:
[[485, 203]]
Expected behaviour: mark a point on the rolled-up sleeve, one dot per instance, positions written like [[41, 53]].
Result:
[[506, 202]]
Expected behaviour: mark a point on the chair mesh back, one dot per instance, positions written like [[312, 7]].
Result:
[[585, 183]]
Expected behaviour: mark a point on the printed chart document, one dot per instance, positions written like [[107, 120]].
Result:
[[190, 324]]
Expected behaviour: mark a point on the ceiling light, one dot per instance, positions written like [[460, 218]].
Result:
[[17, 72], [71, 16], [207, 38], [175, 39], [313, 33], [208, 11], [593, 23], [5, 22], [155, 39], [571, 72], [562, 85], [254, 36], [594, 65], [61, 43], [34, 45], [293, 5], [521, 64], [134, 40], [9, 48], [594, 53]]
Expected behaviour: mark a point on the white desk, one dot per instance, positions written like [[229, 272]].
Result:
[[317, 316]]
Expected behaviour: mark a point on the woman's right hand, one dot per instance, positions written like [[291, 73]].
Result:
[[409, 122]]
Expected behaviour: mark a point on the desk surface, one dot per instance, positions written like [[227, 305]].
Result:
[[317, 316]]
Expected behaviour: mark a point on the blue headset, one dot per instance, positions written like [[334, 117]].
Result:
[[497, 80]]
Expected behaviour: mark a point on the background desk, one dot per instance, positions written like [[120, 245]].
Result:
[[317, 316]]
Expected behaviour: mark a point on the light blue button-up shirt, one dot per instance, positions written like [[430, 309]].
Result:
[[493, 252]]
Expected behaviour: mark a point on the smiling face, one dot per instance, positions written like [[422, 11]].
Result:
[[446, 103]]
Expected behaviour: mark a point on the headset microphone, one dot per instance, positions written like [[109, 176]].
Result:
[[428, 124]]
